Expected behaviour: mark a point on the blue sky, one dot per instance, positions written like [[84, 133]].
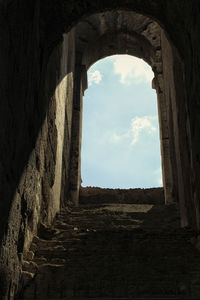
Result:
[[120, 138]]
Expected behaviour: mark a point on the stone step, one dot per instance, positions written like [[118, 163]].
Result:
[[97, 252], [27, 277], [59, 252], [30, 267]]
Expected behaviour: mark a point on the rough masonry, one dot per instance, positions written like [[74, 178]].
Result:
[[46, 48]]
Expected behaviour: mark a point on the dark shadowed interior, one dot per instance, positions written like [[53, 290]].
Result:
[[46, 48]]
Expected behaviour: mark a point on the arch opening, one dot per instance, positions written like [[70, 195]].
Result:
[[112, 33], [120, 143], [126, 32]]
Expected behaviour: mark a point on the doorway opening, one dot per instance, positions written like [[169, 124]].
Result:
[[120, 137]]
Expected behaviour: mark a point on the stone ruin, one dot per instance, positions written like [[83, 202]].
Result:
[[46, 50]]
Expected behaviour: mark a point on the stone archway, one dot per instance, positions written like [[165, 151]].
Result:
[[122, 32], [179, 45]]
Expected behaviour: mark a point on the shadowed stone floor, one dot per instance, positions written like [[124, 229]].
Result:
[[113, 250]]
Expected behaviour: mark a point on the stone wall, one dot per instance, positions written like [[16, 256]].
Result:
[[92, 195], [36, 113], [175, 99]]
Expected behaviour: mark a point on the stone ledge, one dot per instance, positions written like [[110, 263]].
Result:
[[128, 196]]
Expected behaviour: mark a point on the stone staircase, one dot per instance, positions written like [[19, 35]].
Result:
[[113, 250]]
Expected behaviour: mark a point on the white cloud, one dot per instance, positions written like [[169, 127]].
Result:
[[137, 126], [94, 77], [140, 124], [132, 69]]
